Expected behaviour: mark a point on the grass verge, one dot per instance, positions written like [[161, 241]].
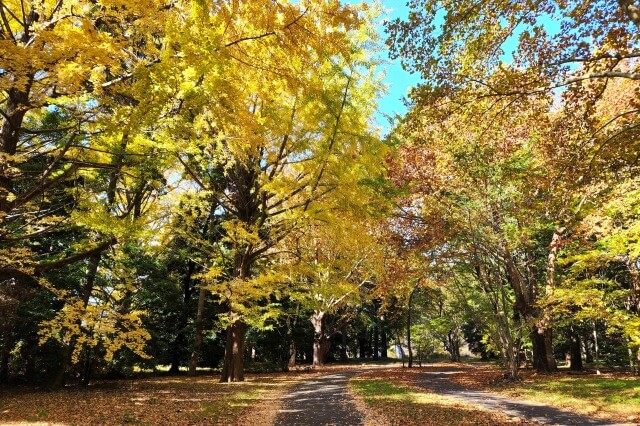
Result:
[[391, 397], [612, 396], [176, 400]]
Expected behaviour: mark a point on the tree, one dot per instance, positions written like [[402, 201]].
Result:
[[277, 132]]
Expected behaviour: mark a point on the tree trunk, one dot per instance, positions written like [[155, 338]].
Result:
[[586, 345], [376, 342], [575, 352], [542, 334], [62, 376], [453, 346], [232, 370], [513, 363], [543, 358], [197, 341], [410, 364], [383, 342], [343, 341], [321, 343], [292, 354], [4, 365]]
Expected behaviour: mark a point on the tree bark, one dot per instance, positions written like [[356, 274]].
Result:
[[321, 343], [233, 367], [575, 353], [197, 341], [543, 357], [362, 345], [292, 354], [410, 363], [343, 341], [383, 341], [4, 365], [376, 342]]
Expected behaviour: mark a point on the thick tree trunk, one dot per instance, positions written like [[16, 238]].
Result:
[[543, 358], [575, 353], [233, 367], [321, 343], [4, 365], [542, 334], [197, 341]]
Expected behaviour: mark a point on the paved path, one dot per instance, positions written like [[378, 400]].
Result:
[[438, 383], [320, 401]]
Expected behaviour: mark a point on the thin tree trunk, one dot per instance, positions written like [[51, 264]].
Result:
[[383, 340], [343, 341], [292, 354], [410, 364], [376, 342], [197, 342]]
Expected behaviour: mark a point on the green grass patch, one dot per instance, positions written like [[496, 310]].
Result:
[[232, 403], [618, 397], [402, 404]]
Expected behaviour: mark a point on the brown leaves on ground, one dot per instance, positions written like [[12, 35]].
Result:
[[179, 400], [611, 395], [394, 397]]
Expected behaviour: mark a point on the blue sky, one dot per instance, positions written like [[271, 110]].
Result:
[[399, 81]]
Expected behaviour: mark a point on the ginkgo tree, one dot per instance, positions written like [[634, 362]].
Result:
[[278, 106]]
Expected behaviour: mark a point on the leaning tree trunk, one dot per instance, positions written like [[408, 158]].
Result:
[[233, 367], [321, 343]]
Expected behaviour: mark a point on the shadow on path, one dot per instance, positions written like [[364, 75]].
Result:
[[438, 383], [320, 401]]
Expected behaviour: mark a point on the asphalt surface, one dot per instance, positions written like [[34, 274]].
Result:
[[437, 382], [320, 401]]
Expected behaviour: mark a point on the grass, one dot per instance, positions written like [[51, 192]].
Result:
[[176, 400], [613, 397], [400, 403]]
